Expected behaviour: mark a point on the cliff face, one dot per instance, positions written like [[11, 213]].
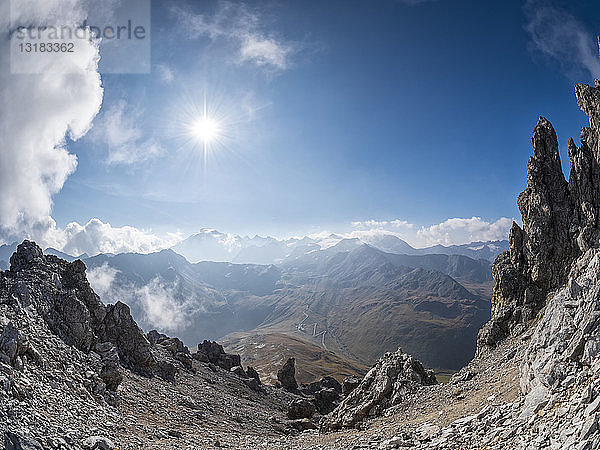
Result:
[[60, 293], [560, 223]]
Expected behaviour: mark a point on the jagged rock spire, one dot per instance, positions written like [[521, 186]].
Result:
[[560, 221]]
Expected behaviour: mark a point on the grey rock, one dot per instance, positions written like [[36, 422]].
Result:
[[287, 375], [589, 427], [303, 424], [14, 441], [350, 383], [535, 401], [323, 383], [326, 400], [239, 371], [134, 348], [252, 383], [98, 443], [13, 343], [210, 351], [300, 409], [386, 384], [252, 373]]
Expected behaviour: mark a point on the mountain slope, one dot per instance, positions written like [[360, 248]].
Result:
[[78, 374], [209, 300], [361, 303]]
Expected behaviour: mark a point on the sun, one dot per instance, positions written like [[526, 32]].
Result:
[[205, 129]]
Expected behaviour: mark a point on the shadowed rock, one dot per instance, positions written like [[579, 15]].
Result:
[[287, 375]]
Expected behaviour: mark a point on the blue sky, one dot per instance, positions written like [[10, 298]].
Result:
[[331, 112]]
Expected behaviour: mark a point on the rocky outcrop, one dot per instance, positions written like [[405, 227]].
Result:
[[61, 294], [349, 384], [212, 352], [393, 377], [76, 373], [325, 393], [560, 222], [301, 409], [565, 344], [286, 376]]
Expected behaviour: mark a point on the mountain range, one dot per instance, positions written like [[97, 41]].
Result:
[[330, 299], [332, 304], [212, 245]]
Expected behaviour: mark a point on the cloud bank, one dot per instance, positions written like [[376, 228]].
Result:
[[41, 113], [454, 231]]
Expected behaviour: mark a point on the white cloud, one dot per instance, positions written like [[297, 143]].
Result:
[[264, 51], [155, 302], [118, 128], [165, 73], [559, 36], [101, 279], [98, 237], [45, 110], [458, 231], [454, 231], [236, 23], [161, 309]]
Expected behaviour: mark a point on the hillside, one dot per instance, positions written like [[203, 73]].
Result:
[[302, 299]]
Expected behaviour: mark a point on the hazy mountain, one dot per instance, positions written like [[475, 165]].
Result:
[[209, 245], [311, 298], [212, 245], [65, 256], [476, 250], [389, 243]]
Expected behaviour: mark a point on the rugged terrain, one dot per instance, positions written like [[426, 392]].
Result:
[[333, 306], [535, 380], [76, 373]]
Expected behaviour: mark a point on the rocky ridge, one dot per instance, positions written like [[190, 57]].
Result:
[[76, 373], [545, 322]]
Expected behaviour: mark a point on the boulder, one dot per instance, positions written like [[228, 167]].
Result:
[[287, 375], [252, 373], [14, 441], [239, 371], [98, 443], [13, 344], [350, 383], [134, 348], [326, 400], [323, 383], [300, 409], [210, 351], [393, 377]]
